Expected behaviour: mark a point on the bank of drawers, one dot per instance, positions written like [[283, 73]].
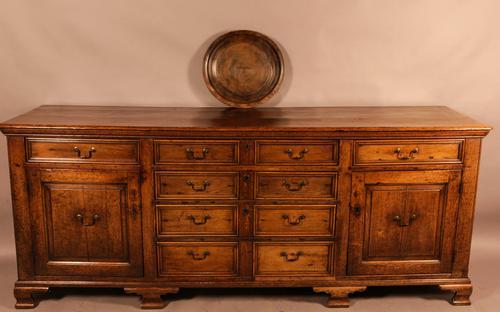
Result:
[[202, 223]]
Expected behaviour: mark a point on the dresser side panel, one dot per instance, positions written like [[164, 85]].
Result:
[[463, 239], [20, 207]]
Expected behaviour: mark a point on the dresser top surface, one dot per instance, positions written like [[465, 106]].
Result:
[[354, 118]]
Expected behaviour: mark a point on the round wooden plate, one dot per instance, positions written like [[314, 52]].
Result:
[[243, 68]]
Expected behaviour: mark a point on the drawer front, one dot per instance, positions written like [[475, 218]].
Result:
[[197, 220], [296, 152], [296, 185], [81, 150], [407, 152], [194, 259], [197, 185], [293, 220], [187, 151], [301, 259]]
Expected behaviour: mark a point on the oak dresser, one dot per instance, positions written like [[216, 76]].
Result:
[[157, 199]]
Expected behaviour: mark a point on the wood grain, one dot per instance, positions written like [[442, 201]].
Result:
[[397, 119]]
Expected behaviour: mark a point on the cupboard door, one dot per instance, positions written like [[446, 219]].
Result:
[[403, 222], [92, 223]]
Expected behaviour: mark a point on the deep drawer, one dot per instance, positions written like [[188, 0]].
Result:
[[294, 220], [82, 150], [194, 259], [297, 185], [192, 151], [407, 151], [297, 152], [293, 258], [197, 185], [197, 220]]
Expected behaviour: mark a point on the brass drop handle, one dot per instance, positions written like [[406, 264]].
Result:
[[192, 155], [88, 155], [293, 221], [399, 220], [411, 155], [299, 156], [291, 257], [199, 220], [294, 186], [80, 218], [198, 256], [198, 188]]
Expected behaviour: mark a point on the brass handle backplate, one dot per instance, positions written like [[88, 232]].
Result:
[[199, 220], [88, 155], [294, 186], [399, 220], [94, 219], [401, 156], [291, 257], [298, 156], [198, 188], [198, 256], [196, 156], [293, 221]]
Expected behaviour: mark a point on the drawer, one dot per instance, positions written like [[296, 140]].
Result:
[[301, 259], [191, 151], [82, 150], [407, 151], [197, 220], [194, 259], [297, 185], [209, 185], [297, 152], [294, 220]]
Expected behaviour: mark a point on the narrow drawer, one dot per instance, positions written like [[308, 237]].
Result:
[[297, 185], [82, 150], [297, 152], [197, 220], [220, 185], [194, 259], [407, 151], [190, 151], [294, 220], [293, 258]]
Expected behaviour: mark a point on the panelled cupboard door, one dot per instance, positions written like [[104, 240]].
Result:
[[403, 222], [86, 223]]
